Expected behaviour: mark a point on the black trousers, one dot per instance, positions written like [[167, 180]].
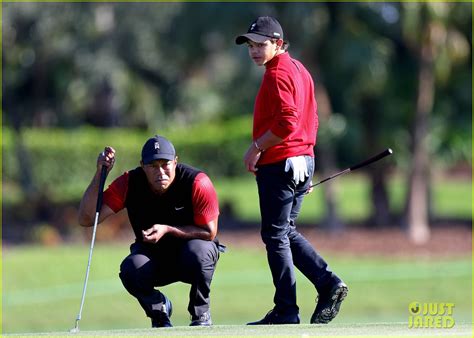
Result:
[[170, 260], [280, 202]]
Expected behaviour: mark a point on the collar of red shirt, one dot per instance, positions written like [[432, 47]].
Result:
[[273, 62]]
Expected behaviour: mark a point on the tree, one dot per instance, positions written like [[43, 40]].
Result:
[[428, 43]]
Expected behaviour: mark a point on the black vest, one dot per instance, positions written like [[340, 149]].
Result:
[[174, 207]]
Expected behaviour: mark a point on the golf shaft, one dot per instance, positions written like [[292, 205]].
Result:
[[373, 159], [103, 175]]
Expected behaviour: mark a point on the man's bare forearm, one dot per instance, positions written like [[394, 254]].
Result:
[[89, 199], [268, 140], [191, 232], [88, 203], [207, 232]]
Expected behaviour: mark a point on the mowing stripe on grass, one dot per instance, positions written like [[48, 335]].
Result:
[[61, 292], [229, 278]]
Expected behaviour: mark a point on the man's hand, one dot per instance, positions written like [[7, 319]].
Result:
[[299, 168], [106, 158], [154, 234], [251, 158]]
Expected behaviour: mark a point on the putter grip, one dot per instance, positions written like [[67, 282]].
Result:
[[377, 157], [103, 176]]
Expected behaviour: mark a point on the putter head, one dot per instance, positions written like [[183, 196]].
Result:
[[75, 329]]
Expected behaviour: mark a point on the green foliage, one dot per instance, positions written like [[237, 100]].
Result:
[[146, 64], [62, 161], [51, 279]]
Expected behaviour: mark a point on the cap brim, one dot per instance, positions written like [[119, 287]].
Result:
[[149, 159], [251, 36]]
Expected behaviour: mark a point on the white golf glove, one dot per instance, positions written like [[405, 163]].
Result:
[[298, 165]]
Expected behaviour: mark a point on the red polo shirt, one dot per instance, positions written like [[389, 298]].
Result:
[[286, 106], [204, 196]]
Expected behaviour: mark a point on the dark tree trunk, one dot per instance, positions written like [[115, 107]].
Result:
[[416, 212], [377, 174], [379, 197], [326, 161]]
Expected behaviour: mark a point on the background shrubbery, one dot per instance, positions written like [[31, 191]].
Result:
[[50, 169], [61, 162]]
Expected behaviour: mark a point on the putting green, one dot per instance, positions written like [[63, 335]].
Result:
[[304, 330]]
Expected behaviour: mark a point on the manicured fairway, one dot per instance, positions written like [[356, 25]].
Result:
[[42, 289], [306, 330]]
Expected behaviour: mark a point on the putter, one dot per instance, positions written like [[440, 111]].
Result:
[[103, 175], [373, 159]]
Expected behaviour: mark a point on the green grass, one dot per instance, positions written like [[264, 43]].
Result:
[[451, 198], [304, 330], [42, 289]]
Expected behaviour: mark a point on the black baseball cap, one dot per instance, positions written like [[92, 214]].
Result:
[[157, 148], [261, 29]]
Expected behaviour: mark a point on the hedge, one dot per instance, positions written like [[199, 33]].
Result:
[[61, 162]]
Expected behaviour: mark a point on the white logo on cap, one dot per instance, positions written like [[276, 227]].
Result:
[[276, 34], [253, 26], [157, 145]]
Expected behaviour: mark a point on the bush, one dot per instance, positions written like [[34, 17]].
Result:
[[60, 162]]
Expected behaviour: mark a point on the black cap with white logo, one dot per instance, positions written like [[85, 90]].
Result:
[[157, 148], [262, 29]]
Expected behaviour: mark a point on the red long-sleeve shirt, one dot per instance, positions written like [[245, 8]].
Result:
[[286, 106]]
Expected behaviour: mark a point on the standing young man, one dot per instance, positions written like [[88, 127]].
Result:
[[173, 210], [282, 158]]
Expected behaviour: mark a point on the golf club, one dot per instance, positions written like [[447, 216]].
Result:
[[373, 159], [103, 175]]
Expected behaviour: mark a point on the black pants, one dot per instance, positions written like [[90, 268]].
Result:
[[280, 202], [170, 260]]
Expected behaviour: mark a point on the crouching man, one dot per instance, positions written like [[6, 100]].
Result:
[[173, 210]]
